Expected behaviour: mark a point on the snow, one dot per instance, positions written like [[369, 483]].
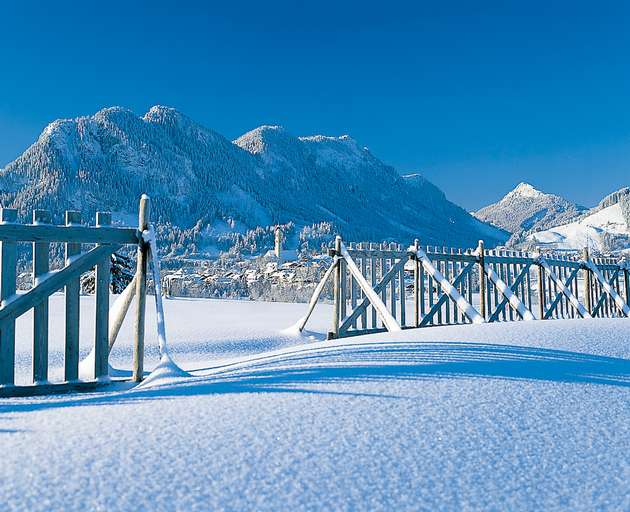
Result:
[[526, 208], [201, 179], [586, 232], [505, 416], [524, 190]]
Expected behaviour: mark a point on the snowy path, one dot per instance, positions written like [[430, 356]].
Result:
[[522, 416]]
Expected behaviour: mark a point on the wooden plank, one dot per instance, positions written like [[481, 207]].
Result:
[[336, 316], [141, 286], [499, 258], [416, 286], [619, 302], [54, 388], [447, 304], [374, 279], [72, 299], [403, 295], [462, 304], [512, 274], [495, 291], [8, 259], [353, 291], [386, 252], [83, 234], [384, 270], [118, 312], [343, 292], [505, 301], [55, 280], [458, 267], [436, 307], [563, 289], [422, 289], [470, 293], [41, 252], [603, 296], [101, 331], [392, 288], [316, 294], [513, 300], [359, 292], [380, 286], [388, 320]]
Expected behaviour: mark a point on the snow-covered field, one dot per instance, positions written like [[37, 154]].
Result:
[[520, 416]]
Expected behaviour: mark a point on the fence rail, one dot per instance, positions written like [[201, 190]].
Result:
[[86, 247], [378, 287]]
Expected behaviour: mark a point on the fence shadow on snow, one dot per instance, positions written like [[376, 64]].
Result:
[[368, 363]]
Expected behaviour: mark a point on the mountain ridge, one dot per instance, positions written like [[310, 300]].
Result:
[[202, 183]]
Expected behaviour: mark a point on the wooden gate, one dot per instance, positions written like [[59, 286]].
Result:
[[378, 287], [86, 247]]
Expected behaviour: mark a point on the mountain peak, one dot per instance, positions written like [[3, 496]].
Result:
[[524, 189], [528, 209], [267, 140], [164, 115]]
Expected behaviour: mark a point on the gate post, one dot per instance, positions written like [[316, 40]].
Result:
[[336, 291], [41, 266], [416, 285], [587, 282], [8, 260], [141, 286], [482, 280]]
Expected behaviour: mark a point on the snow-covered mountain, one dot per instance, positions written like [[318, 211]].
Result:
[[526, 209], [206, 188], [605, 229]]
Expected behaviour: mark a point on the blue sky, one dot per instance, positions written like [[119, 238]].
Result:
[[476, 95]]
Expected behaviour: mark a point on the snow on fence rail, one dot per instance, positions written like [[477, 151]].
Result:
[[104, 240], [379, 287]]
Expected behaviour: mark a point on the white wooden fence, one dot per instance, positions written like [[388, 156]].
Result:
[[101, 240], [379, 287]]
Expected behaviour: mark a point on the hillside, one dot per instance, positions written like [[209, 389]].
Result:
[[210, 194], [526, 209], [605, 229]]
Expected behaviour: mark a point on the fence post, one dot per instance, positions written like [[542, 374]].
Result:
[[101, 293], [141, 285], [336, 291], [40, 312], [8, 259], [416, 285], [627, 284], [587, 282], [482, 280], [72, 292], [541, 292]]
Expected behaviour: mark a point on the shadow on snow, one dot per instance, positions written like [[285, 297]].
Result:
[[317, 370]]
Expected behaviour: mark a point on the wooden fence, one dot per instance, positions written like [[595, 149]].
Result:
[[86, 247], [378, 287]]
